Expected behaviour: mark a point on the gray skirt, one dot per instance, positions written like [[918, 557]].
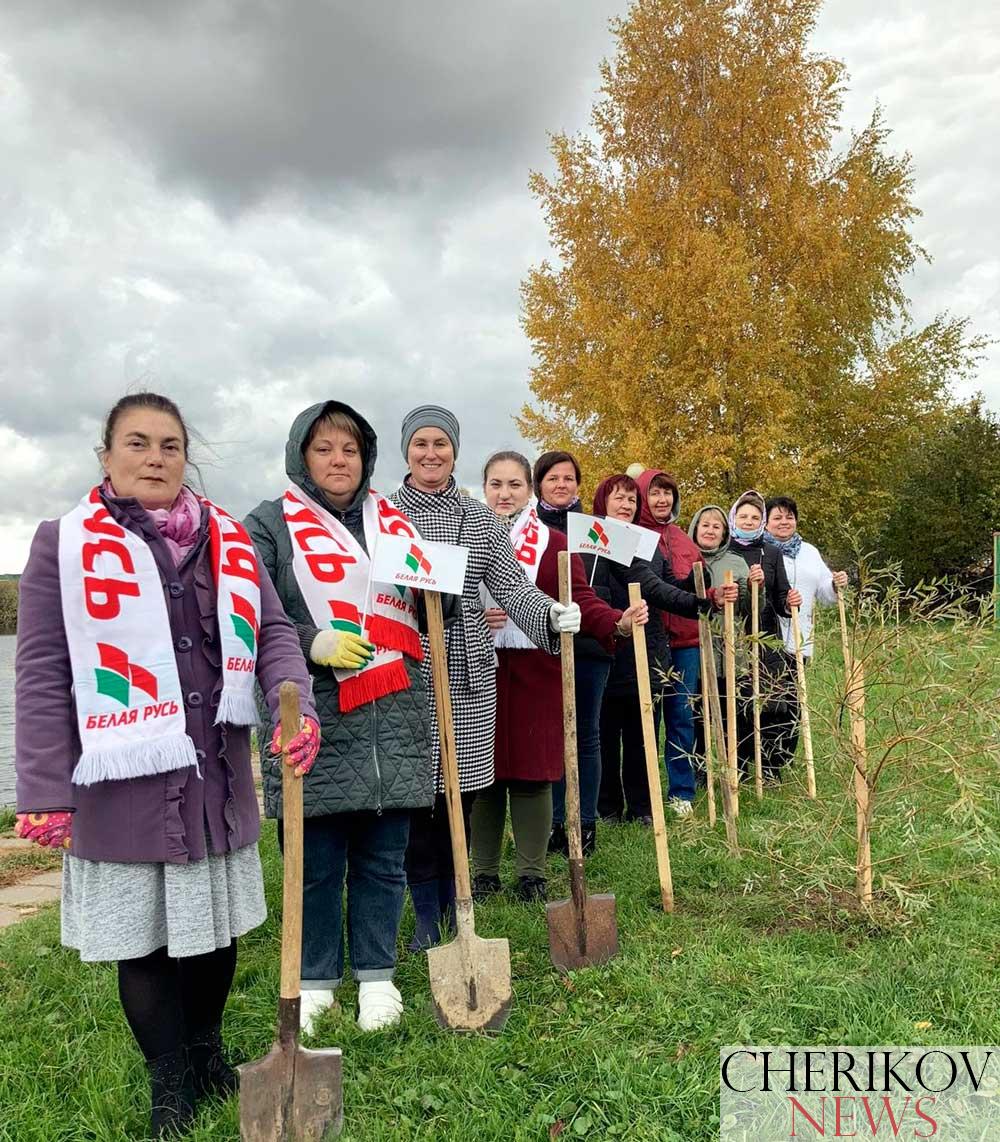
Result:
[[121, 911]]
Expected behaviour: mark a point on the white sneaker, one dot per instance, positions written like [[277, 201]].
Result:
[[379, 1004], [312, 1005], [680, 806]]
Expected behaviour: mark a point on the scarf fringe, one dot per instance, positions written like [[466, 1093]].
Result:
[[141, 759], [237, 707], [376, 682], [391, 635]]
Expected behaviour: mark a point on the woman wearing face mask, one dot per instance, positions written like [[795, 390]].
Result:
[[441, 513], [746, 526], [144, 626], [815, 582], [374, 765], [624, 791], [529, 740], [710, 531]]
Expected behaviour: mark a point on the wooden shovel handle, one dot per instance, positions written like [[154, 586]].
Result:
[[569, 722], [291, 816], [652, 758], [729, 636], [758, 765], [449, 755], [804, 721]]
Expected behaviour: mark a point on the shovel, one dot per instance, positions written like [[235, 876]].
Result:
[[582, 930], [470, 976], [291, 1095]]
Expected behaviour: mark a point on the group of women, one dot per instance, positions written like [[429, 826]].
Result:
[[154, 630]]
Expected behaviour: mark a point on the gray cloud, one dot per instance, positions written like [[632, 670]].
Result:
[[253, 206]]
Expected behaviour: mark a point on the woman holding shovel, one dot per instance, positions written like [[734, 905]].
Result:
[[815, 583], [430, 498], [624, 780], [746, 527], [144, 626], [529, 738], [362, 643], [710, 531]]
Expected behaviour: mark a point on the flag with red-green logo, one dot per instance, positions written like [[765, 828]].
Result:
[[420, 564], [596, 535]]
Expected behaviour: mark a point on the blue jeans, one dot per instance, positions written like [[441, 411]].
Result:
[[590, 676], [366, 849], [678, 709]]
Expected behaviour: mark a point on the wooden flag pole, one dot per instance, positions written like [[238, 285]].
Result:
[[732, 765], [758, 766], [652, 760], [800, 671]]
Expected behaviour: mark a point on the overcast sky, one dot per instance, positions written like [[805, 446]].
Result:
[[255, 205]]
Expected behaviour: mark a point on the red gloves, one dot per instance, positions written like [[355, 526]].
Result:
[[51, 830], [301, 751]]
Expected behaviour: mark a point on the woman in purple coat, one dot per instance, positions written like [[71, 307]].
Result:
[[144, 626]]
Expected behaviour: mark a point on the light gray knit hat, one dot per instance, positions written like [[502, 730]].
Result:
[[430, 416]]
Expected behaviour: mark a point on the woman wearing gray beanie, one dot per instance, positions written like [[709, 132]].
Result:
[[441, 513]]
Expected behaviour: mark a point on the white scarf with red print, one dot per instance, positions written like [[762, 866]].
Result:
[[127, 690], [333, 572], [529, 538]]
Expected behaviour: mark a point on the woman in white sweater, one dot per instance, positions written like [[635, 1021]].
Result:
[[809, 575]]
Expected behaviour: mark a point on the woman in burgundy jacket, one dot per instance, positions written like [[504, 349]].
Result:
[[529, 741]]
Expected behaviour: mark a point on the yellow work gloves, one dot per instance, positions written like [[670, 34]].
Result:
[[341, 650]]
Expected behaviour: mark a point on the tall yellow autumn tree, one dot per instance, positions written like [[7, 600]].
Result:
[[727, 297]]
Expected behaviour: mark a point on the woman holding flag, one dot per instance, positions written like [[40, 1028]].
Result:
[[144, 625], [363, 648], [430, 497], [529, 735]]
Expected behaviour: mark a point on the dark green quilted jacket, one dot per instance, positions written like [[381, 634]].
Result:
[[379, 755]]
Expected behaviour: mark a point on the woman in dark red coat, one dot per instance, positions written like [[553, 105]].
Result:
[[529, 741]]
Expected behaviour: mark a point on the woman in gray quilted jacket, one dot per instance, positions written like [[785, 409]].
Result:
[[430, 498], [363, 648]]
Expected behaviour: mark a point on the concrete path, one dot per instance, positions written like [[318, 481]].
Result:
[[28, 895]]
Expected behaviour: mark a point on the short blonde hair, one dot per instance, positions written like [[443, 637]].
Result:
[[336, 420]]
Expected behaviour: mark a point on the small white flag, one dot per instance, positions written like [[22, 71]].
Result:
[[420, 564], [592, 535], [647, 541]]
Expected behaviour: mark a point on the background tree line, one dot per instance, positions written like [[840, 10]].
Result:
[[8, 604], [727, 301]]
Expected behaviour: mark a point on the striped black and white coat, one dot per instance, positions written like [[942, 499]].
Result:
[[451, 517]]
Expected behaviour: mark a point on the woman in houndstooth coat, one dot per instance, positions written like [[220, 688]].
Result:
[[441, 513]]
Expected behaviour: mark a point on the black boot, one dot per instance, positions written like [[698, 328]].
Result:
[[211, 1075], [530, 889], [171, 1094], [557, 840], [427, 909], [485, 885], [588, 837]]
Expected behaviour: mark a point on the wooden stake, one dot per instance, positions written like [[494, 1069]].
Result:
[[715, 711], [758, 767], [729, 636], [800, 671], [862, 794], [652, 760]]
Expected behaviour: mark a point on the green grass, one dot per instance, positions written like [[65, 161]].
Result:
[[765, 949]]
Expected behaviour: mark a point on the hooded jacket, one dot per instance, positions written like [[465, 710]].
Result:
[[378, 756], [719, 562], [680, 555]]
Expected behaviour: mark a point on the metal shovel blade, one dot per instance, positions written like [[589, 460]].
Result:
[[470, 983], [577, 941], [292, 1095]]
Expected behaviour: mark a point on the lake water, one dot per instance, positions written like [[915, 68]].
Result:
[[7, 644]]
